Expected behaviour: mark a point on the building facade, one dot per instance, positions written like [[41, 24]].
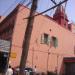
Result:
[[52, 44]]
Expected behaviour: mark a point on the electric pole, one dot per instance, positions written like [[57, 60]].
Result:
[[27, 37]]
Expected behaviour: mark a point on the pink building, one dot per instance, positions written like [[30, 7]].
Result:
[[52, 45]]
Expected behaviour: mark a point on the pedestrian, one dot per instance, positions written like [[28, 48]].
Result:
[[35, 69], [9, 71]]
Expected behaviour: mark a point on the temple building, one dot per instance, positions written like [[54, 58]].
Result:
[[52, 44]]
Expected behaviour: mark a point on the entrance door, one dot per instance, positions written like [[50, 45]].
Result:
[[3, 61], [70, 68]]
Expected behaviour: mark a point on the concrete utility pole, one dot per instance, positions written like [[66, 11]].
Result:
[[27, 37]]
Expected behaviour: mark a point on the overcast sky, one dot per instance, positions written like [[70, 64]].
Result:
[[7, 5]]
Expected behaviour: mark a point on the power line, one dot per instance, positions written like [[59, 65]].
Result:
[[53, 10], [21, 2], [9, 7], [11, 38], [24, 8], [65, 12], [49, 9], [54, 2], [13, 4], [28, 3], [65, 5]]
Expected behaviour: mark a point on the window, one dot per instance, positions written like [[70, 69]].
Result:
[[69, 27], [54, 41], [45, 39]]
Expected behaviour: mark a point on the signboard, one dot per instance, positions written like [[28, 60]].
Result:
[[13, 55], [4, 45]]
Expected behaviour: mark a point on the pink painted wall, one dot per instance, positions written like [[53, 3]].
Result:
[[38, 53]]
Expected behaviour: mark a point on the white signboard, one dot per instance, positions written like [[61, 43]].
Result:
[[4, 45]]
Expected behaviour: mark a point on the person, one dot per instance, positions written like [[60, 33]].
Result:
[[9, 71], [35, 69]]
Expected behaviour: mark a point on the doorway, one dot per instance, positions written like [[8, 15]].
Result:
[[70, 68], [69, 65], [3, 61]]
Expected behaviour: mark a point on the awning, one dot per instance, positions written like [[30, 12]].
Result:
[[69, 59]]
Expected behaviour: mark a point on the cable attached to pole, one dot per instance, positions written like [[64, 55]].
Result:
[[48, 9]]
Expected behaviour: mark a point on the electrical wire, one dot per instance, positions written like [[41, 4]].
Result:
[[26, 6], [23, 8], [9, 7], [28, 3], [54, 2], [65, 12], [8, 60], [52, 11], [48, 9], [21, 2]]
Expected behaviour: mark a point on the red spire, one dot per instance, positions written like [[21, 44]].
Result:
[[60, 16]]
